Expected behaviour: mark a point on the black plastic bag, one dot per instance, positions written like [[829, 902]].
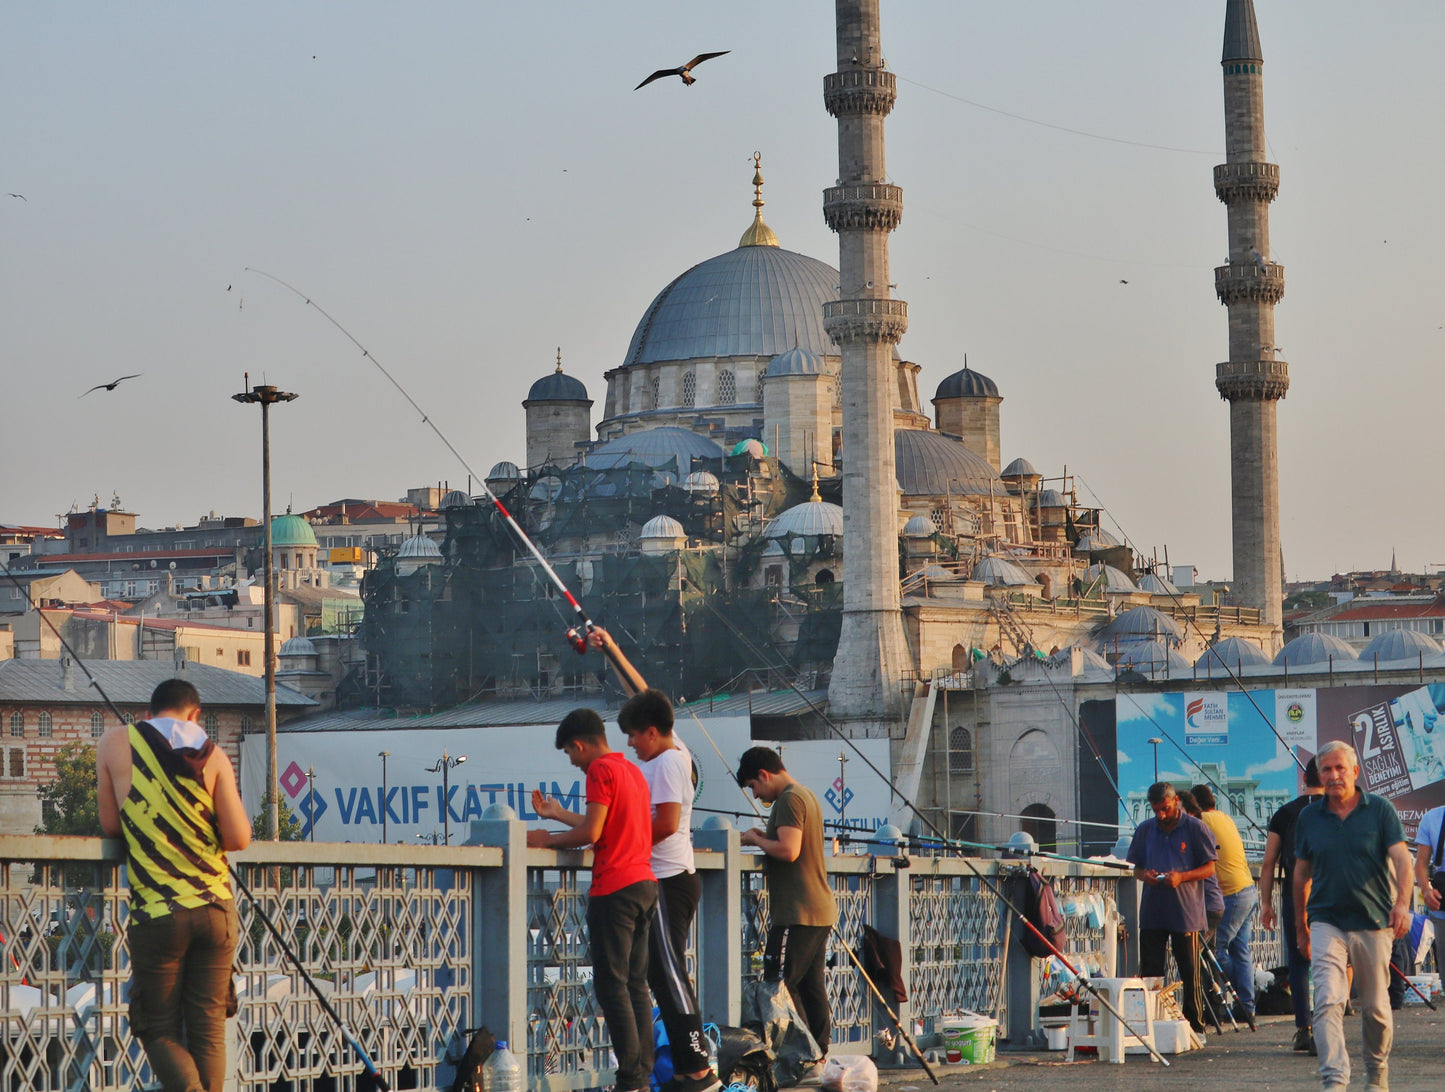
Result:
[[768, 1009]]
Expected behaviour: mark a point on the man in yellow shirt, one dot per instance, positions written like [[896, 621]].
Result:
[[1236, 928]]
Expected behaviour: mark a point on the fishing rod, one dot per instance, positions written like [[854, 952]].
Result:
[[366, 1059]]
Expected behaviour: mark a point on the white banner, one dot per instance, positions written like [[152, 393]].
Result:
[[504, 764], [1294, 718]]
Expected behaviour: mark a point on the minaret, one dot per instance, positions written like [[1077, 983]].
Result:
[[1255, 378], [866, 324]]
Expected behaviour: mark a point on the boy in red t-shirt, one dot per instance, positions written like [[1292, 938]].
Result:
[[618, 827]]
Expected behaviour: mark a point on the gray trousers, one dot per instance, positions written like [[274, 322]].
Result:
[[1368, 951]]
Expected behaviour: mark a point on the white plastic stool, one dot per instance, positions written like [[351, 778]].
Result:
[[1099, 1028]]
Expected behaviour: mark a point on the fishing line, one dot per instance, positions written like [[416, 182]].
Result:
[[371, 1066]]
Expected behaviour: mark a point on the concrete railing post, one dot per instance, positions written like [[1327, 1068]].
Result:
[[891, 890], [1128, 899], [720, 928], [499, 934], [1021, 978]]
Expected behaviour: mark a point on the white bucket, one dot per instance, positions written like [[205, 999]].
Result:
[[1058, 1038]]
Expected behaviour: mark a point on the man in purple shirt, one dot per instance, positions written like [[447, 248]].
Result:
[[1172, 855]]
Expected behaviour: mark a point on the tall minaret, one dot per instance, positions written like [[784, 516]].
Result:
[[1255, 378], [866, 323]]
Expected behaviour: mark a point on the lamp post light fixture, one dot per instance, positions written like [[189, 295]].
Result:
[[266, 397], [1155, 741], [445, 764], [383, 755]]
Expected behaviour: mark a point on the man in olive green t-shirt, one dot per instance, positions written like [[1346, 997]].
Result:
[[801, 905]]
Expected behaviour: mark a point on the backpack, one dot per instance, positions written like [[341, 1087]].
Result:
[[1041, 909]]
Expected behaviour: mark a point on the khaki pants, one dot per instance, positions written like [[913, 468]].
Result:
[[1368, 951]]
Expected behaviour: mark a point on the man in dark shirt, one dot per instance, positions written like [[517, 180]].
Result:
[[1279, 856], [1346, 843], [1172, 854]]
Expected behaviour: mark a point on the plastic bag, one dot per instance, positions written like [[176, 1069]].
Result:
[[855, 1073], [768, 1009]]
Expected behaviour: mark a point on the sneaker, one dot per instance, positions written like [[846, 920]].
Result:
[[1304, 1040]]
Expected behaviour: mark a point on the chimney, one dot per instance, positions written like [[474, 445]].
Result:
[[180, 659], [67, 673]]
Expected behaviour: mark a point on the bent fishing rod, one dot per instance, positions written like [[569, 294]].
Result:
[[366, 1060]]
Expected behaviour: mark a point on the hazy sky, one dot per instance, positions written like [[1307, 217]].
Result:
[[467, 186]]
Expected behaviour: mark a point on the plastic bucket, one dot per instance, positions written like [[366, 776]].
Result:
[[973, 1037]]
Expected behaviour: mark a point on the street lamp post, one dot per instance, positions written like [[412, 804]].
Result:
[[266, 397], [311, 802], [445, 764], [383, 755], [1155, 741]]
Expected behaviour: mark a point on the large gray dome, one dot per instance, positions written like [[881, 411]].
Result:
[[932, 464], [752, 301], [654, 447], [1310, 649]]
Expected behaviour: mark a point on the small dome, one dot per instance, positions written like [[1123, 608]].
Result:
[[1152, 658], [932, 464], [807, 519], [753, 449], [1155, 584], [796, 361], [289, 530], [919, 527], [456, 499], [1052, 498], [1097, 539], [1314, 648], [1141, 622], [702, 482], [1234, 653], [966, 384], [654, 447], [1114, 580], [557, 387], [297, 646], [774, 548], [1400, 644], [999, 572], [504, 472], [420, 548], [662, 527], [938, 572], [1020, 468]]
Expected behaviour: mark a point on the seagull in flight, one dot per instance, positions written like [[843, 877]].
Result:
[[22, 197], [685, 71], [111, 386]]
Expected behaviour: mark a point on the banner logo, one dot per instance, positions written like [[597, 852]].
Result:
[[1206, 720]]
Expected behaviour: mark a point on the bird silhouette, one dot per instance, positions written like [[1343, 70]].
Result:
[[27, 200], [1123, 281], [111, 386], [685, 71]]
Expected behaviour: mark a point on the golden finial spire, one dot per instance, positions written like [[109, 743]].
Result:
[[758, 233], [559, 360], [816, 497]]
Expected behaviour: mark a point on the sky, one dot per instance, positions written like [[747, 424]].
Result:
[[465, 187]]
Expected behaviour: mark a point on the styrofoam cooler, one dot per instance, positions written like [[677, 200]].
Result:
[[1171, 1036]]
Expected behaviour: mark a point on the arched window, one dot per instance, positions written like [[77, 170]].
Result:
[[656, 392], [825, 576], [17, 725], [962, 661], [727, 388], [97, 726], [43, 726], [689, 389], [960, 750], [1040, 823], [758, 389]]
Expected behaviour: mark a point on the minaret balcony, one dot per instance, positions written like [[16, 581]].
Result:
[[1241, 281], [882, 320], [863, 207], [860, 91], [1246, 182], [1253, 380]]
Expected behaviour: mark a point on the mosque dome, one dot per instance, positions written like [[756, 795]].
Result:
[[1000, 572], [1153, 659], [1020, 468], [662, 527], [456, 499], [813, 517], [967, 384], [919, 527], [1314, 648], [753, 449], [932, 464], [1097, 539], [557, 387], [1400, 644], [504, 472], [702, 482], [796, 361], [289, 530], [1233, 653], [297, 646], [1114, 579], [1155, 584], [654, 447], [1140, 623], [1052, 498], [420, 548]]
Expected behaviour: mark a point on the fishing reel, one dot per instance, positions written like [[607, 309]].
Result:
[[577, 638]]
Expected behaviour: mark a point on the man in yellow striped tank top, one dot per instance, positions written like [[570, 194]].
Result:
[[171, 793]]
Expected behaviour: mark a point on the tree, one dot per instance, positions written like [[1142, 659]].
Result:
[[68, 803], [290, 822]]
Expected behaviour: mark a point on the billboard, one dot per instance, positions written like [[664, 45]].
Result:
[[346, 800], [1246, 743]]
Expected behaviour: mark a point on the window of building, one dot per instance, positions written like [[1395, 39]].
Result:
[[17, 725], [758, 387], [689, 389], [773, 576], [960, 750], [727, 388], [15, 766], [97, 726], [655, 393], [243, 657], [42, 726], [210, 724], [245, 724]]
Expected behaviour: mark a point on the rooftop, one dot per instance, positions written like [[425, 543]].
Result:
[[130, 682]]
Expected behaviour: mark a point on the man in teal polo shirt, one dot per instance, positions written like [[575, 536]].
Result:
[[1345, 845]]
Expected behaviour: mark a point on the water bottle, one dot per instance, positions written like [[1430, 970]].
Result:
[[501, 1071]]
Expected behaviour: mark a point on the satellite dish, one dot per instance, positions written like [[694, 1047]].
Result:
[[153, 563], [173, 565]]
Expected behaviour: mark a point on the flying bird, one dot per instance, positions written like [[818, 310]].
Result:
[[685, 71], [1123, 281], [113, 385], [27, 200]]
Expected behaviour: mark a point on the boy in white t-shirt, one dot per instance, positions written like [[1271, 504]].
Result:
[[646, 719]]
